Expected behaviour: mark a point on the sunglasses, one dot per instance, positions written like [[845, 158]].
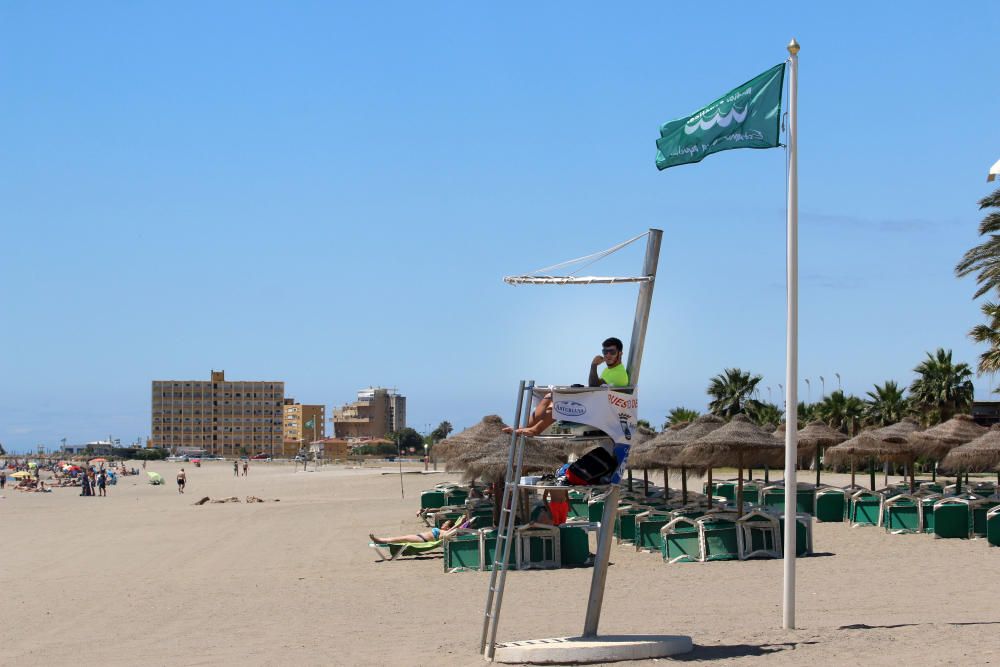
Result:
[[609, 350]]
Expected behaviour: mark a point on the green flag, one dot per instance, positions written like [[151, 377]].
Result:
[[748, 116], [311, 423]]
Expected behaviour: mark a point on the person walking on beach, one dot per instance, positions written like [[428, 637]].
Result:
[[246, 464], [236, 468], [181, 481], [102, 484], [3, 479]]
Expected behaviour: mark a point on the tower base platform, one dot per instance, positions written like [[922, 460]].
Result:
[[601, 648]]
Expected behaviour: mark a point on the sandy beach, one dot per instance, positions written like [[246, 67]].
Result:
[[145, 576]]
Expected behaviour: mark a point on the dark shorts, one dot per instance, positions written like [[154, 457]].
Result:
[[181, 482]]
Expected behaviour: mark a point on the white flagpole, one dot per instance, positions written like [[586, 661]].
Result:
[[792, 345]]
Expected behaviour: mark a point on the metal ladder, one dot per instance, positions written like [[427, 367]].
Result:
[[505, 531]]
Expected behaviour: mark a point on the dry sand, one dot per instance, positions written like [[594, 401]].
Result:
[[143, 576]]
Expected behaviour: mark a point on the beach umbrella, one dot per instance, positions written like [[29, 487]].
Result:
[[874, 445], [155, 477], [937, 441], [641, 436], [979, 455], [475, 436], [20, 474], [491, 464], [739, 443], [663, 449], [98, 460], [817, 435]]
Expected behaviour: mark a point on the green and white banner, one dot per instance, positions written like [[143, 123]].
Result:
[[749, 116]]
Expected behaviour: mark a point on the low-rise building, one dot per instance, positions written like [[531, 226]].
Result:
[[377, 412], [302, 424]]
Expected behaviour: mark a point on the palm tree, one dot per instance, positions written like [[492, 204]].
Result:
[[764, 413], [807, 412], [886, 405], [730, 391], [680, 415], [989, 361], [841, 412], [984, 259], [942, 390]]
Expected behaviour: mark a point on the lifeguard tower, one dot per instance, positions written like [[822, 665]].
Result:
[[611, 410]]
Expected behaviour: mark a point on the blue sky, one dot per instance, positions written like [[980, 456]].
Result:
[[329, 195]]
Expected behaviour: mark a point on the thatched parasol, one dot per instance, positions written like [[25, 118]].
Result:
[[491, 465], [979, 455], [663, 449], [805, 450], [475, 436], [740, 443], [874, 444], [818, 435], [936, 442], [642, 435]]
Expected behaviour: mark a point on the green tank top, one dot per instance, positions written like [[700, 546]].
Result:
[[616, 377]]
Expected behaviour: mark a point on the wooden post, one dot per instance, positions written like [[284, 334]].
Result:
[[913, 481], [739, 487], [684, 485], [871, 473], [645, 482], [708, 489], [852, 472], [767, 475], [819, 452]]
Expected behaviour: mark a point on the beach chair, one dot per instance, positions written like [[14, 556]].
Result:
[[462, 552], [488, 550], [725, 489], [901, 514], [578, 505], [751, 493], [758, 535], [831, 504], [993, 526], [984, 489], [718, 536], [397, 550], [681, 541], [625, 522], [647, 530], [953, 518], [927, 511], [932, 487], [980, 508], [773, 497], [432, 499], [803, 533], [864, 509], [595, 510], [574, 544], [538, 547]]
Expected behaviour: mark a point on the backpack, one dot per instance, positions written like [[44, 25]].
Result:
[[595, 467]]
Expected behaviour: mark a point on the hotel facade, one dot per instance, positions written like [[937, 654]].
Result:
[[220, 417], [376, 413]]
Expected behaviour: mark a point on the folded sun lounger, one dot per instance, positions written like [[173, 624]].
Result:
[[396, 550]]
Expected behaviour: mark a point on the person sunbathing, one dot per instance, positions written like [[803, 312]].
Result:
[[615, 375], [447, 529]]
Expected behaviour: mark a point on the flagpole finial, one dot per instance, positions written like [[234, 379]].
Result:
[[793, 47]]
